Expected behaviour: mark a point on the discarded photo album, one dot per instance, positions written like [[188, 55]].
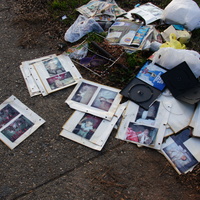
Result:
[[148, 12], [182, 151], [145, 88], [17, 122], [195, 124], [180, 112], [144, 127], [49, 74], [90, 130], [94, 98], [31, 82]]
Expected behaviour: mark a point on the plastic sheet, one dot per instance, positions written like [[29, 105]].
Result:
[[81, 27], [184, 12]]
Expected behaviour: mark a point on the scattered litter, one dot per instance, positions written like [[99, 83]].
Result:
[[86, 129], [182, 83], [173, 42], [144, 127], [64, 17], [182, 12], [170, 57], [182, 151], [146, 86], [194, 123], [49, 74], [183, 36], [162, 107], [130, 34], [81, 27], [101, 10], [147, 12], [180, 112], [17, 122], [94, 98], [78, 51]]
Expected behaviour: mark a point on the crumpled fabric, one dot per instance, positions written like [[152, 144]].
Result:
[[81, 27]]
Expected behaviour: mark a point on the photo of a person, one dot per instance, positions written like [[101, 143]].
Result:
[[148, 116], [53, 66], [84, 93], [104, 99], [87, 126], [141, 134], [17, 128], [60, 80], [180, 156], [151, 74], [6, 114]]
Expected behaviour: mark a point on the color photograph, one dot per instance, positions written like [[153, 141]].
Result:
[[84, 93], [7, 114], [87, 126], [141, 134], [104, 99]]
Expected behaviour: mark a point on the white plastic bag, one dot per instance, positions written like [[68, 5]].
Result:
[[81, 27], [184, 12], [170, 58]]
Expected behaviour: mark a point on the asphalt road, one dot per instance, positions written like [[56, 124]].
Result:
[[47, 166]]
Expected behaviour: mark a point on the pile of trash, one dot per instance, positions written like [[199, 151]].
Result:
[[158, 109]]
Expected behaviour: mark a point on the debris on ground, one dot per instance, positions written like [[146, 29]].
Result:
[[152, 109]]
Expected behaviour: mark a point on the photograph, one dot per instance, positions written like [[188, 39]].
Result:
[[17, 122], [94, 98], [7, 114], [141, 134], [87, 126], [55, 74], [54, 66], [148, 116], [17, 128], [84, 93], [104, 99], [60, 80], [151, 74], [180, 156], [90, 130]]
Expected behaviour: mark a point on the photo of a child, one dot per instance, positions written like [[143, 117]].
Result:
[[87, 126], [141, 134]]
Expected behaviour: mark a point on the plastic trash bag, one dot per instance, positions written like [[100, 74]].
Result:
[[184, 12], [170, 57], [173, 42], [80, 28]]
